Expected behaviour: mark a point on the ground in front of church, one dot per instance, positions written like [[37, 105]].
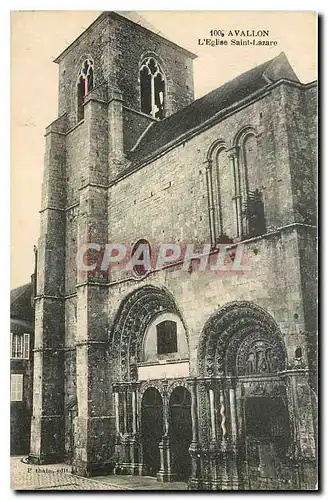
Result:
[[58, 477]]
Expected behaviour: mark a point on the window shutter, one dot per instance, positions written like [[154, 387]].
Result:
[[11, 346], [26, 352]]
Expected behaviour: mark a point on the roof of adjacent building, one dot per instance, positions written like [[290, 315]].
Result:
[[21, 303], [161, 133]]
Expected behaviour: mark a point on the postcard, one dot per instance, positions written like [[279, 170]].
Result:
[[163, 302]]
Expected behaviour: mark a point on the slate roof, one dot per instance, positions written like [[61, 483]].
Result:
[[20, 303], [163, 132]]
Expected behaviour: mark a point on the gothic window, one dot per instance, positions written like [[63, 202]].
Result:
[[84, 86], [20, 346], [167, 337], [152, 88]]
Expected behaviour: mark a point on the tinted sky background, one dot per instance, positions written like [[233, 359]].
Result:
[[38, 37]]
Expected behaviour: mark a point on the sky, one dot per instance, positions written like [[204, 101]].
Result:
[[37, 37]]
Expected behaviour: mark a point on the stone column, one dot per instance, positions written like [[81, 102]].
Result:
[[210, 199], [225, 483], [165, 473], [214, 445], [47, 426], [125, 410], [134, 411], [234, 472], [117, 412], [212, 413], [233, 414], [237, 199], [194, 480]]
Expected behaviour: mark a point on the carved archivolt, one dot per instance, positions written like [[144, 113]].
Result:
[[136, 312], [177, 383], [241, 338]]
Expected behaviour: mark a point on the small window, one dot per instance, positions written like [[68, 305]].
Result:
[[84, 86], [298, 353], [167, 337], [152, 88], [16, 387], [20, 346]]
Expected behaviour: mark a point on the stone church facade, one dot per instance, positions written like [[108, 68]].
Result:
[[208, 378]]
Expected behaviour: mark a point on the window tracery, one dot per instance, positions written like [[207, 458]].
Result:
[[84, 85], [152, 88]]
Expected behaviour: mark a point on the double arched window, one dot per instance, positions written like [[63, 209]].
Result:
[[152, 88], [84, 85], [236, 207]]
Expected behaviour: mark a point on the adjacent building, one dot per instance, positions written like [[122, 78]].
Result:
[[21, 368]]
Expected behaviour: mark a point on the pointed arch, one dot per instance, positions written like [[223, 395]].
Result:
[[84, 84], [153, 88]]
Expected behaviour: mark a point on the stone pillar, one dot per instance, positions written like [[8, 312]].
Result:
[[234, 465], [224, 444], [237, 199], [125, 410], [194, 480], [233, 413], [117, 412], [210, 199], [300, 403], [116, 158], [212, 413], [134, 411], [165, 473], [95, 423], [214, 445], [47, 427]]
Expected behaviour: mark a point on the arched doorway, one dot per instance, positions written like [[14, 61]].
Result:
[[180, 432], [151, 428], [243, 357], [267, 437]]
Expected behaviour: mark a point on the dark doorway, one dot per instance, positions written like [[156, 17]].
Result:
[[180, 432], [267, 437], [151, 428]]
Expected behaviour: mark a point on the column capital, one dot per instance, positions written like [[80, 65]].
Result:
[[232, 152], [231, 383]]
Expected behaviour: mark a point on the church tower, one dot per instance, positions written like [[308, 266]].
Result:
[[114, 81]]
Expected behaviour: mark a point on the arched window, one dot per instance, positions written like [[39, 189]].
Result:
[[152, 88], [220, 190], [84, 85], [250, 206], [223, 192], [167, 337]]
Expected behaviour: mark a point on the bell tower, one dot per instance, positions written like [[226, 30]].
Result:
[[115, 79]]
